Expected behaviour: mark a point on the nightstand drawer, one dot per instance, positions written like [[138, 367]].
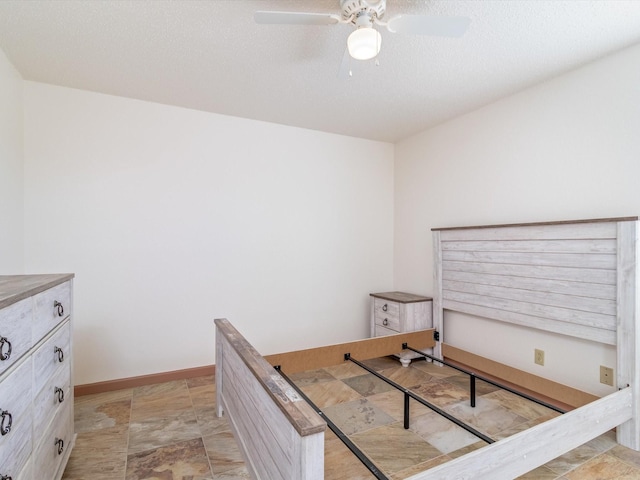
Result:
[[382, 331], [388, 321]]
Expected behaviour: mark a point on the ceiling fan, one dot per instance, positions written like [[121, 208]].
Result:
[[364, 42]]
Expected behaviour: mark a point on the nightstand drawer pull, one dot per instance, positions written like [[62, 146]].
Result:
[[5, 428], [385, 322], [3, 355], [60, 308], [60, 353], [384, 307], [60, 393], [60, 445]]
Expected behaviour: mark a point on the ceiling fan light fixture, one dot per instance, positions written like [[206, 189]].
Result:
[[364, 43]]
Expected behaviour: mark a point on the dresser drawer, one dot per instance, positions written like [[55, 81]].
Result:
[[51, 398], [15, 421], [52, 355], [53, 446], [50, 308], [15, 332]]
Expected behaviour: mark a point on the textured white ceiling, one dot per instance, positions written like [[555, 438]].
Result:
[[212, 56]]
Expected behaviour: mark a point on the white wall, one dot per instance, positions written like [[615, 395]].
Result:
[[172, 217], [11, 169], [565, 149]]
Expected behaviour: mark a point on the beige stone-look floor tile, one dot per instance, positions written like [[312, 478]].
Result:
[[392, 402], [159, 432], [540, 473], [94, 416], [487, 416], [420, 467], [392, 448], [571, 459], [368, 384], [223, 452], [434, 370], [209, 422], [160, 401], [99, 455], [340, 463], [604, 467], [240, 473], [330, 393], [311, 376], [357, 416], [182, 460], [202, 381], [521, 406], [344, 370], [604, 442], [468, 449], [626, 455], [443, 434], [382, 363], [203, 395], [439, 392], [407, 377], [463, 381], [105, 397]]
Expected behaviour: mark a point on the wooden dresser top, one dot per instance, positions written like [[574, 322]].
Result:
[[14, 288]]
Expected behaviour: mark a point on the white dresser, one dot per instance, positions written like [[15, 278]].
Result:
[[36, 382], [399, 312]]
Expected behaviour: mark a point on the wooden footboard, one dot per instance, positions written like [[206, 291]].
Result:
[[279, 434]]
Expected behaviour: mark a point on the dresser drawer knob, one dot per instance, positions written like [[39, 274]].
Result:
[[57, 305], [385, 322], [60, 445], [60, 393], [5, 424], [58, 350], [4, 355], [384, 307]]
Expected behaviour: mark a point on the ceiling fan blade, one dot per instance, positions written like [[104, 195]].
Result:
[[296, 18], [345, 66], [429, 25]]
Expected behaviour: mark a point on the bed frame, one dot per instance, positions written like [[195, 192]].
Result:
[[572, 278]]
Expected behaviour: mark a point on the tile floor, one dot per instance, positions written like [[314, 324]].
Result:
[[169, 431]]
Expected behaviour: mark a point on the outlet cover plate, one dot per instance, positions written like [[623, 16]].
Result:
[[538, 357], [606, 375]]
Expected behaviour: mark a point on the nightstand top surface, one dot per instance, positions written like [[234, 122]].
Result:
[[401, 297]]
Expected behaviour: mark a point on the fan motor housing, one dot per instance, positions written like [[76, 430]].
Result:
[[353, 8]]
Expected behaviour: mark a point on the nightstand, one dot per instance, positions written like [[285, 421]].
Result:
[[399, 312]]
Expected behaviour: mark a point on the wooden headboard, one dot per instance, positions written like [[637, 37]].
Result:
[[575, 278]]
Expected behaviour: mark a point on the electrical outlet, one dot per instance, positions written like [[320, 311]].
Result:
[[606, 375], [538, 357]]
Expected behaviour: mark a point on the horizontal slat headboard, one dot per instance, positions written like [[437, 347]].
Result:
[[560, 277]]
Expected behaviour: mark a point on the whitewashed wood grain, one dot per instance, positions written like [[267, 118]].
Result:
[[579, 245], [572, 329], [628, 373], [588, 319], [567, 287], [270, 445], [437, 292], [15, 326], [45, 316], [46, 360], [576, 300], [578, 260], [46, 401], [15, 398], [589, 275], [46, 459], [516, 455]]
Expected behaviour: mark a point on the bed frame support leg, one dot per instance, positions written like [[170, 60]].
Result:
[[472, 389], [406, 411]]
